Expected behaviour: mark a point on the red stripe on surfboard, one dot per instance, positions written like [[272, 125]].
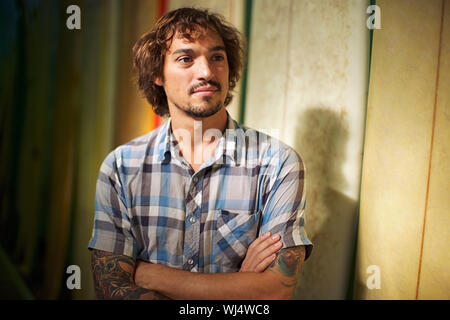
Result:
[[162, 7]]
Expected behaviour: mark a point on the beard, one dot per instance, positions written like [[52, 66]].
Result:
[[205, 109], [199, 111]]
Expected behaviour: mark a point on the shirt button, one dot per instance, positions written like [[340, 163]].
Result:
[[195, 179], [190, 261], [192, 219]]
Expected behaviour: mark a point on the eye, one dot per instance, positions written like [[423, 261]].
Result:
[[218, 57], [185, 59]]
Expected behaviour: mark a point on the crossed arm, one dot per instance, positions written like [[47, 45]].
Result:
[[113, 278], [120, 277]]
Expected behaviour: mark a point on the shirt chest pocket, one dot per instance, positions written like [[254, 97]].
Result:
[[233, 234]]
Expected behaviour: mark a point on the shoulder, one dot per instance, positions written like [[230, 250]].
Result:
[[272, 151], [279, 162], [135, 152]]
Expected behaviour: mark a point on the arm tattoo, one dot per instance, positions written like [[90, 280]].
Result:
[[288, 263], [113, 278]]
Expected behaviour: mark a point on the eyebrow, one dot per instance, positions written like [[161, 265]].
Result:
[[190, 51], [217, 48]]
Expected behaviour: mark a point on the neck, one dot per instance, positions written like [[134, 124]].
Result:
[[198, 137], [182, 124]]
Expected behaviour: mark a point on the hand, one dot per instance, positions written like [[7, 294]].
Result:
[[261, 253]]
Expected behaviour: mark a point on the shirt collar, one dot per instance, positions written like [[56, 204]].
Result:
[[164, 142]]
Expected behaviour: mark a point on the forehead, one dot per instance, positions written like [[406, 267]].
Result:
[[203, 37]]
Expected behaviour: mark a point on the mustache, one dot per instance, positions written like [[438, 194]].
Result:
[[204, 83]]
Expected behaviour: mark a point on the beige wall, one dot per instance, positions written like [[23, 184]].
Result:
[[403, 227], [308, 80], [434, 281]]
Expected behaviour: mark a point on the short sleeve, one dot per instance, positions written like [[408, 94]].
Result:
[[284, 201], [112, 227]]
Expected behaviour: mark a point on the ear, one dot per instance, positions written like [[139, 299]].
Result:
[[158, 81]]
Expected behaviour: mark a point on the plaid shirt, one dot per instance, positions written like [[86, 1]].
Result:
[[151, 205]]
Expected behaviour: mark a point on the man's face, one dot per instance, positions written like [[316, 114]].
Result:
[[196, 74]]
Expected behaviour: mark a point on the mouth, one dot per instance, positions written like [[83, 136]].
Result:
[[205, 91]]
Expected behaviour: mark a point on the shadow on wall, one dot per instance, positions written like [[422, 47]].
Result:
[[321, 139]]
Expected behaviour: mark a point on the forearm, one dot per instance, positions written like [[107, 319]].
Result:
[[278, 281], [180, 284], [124, 290], [113, 278]]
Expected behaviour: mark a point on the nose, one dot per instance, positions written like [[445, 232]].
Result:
[[204, 69]]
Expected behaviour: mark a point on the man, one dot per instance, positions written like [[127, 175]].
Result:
[[199, 208]]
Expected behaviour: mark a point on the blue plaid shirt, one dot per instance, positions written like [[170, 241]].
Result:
[[151, 205]]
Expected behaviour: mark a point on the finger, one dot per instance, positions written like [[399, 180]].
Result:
[[260, 239], [262, 245], [265, 263], [268, 251], [259, 250], [250, 258]]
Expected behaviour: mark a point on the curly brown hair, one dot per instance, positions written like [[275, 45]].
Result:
[[149, 51]]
